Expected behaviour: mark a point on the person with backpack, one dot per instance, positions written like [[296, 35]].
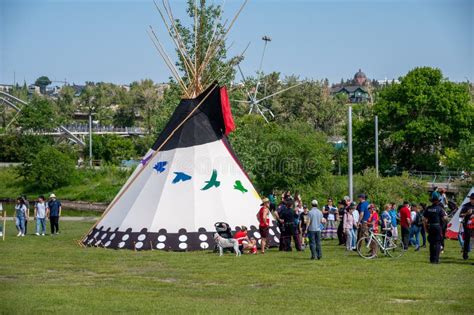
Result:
[[417, 223]]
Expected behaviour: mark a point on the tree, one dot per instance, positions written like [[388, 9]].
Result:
[[418, 120], [38, 114], [147, 98], [42, 82], [208, 27]]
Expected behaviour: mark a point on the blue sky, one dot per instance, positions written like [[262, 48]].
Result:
[[106, 40]]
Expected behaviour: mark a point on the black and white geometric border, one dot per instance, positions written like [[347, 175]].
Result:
[[181, 241]]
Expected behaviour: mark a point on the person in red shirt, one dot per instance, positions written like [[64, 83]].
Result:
[[244, 241], [263, 217], [374, 218], [405, 223]]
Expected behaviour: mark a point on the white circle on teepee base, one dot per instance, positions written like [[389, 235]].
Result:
[[161, 238], [141, 237], [97, 243], [271, 232], [256, 235], [121, 244], [160, 245], [203, 237], [183, 245], [90, 241], [103, 236], [112, 236], [204, 245], [139, 245], [96, 234], [107, 244], [183, 238], [125, 237], [278, 229], [276, 239]]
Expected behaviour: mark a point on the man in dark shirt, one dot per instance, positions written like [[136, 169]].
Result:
[[54, 210], [341, 206], [287, 219], [434, 216], [467, 212]]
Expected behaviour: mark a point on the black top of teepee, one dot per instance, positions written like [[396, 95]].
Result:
[[205, 125]]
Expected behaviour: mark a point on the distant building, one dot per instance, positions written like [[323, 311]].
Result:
[[6, 87], [356, 89], [33, 89]]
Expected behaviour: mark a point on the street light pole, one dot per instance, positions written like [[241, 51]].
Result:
[[90, 139], [349, 142], [377, 145]]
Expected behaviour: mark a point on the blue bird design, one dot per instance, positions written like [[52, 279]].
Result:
[[181, 177]]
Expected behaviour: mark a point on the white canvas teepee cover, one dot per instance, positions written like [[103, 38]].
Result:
[[455, 223], [177, 194]]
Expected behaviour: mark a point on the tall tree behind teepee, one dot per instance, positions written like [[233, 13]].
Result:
[[209, 27]]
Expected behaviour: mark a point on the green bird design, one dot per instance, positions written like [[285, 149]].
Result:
[[238, 185], [213, 182]]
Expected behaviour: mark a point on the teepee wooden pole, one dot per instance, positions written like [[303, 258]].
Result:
[[117, 198]]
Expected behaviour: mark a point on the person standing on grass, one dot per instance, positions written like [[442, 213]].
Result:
[[393, 217], [330, 213], [417, 225], [290, 230], [20, 216], [341, 208], [434, 217], [27, 205], [349, 227], [356, 215], [40, 216], [405, 223], [54, 210], [467, 216], [422, 230], [304, 219], [263, 217], [364, 215], [314, 230], [373, 220]]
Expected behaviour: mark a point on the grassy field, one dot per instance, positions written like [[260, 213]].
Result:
[[53, 274]]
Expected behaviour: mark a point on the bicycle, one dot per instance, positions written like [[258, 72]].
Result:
[[367, 246]]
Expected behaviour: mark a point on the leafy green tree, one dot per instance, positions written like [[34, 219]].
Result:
[[65, 104], [279, 156], [112, 148], [418, 119], [147, 99], [218, 69], [38, 114], [42, 82], [50, 169]]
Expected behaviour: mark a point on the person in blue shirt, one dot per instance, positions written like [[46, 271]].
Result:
[[364, 215], [393, 216], [54, 211]]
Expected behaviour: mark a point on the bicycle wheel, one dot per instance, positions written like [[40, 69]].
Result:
[[365, 247], [394, 248]]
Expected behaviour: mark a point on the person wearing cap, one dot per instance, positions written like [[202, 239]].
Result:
[[263, 217], [54, 210], [364, 215], [314, 230], [405, 223], [434, 216], [467, 216]]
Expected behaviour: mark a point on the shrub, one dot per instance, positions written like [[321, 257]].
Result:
[[50, 169]]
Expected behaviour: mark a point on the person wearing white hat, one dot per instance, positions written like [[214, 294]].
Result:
[[54, 210], [314, 230]]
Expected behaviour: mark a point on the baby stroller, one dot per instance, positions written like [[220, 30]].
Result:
[[223, 229]]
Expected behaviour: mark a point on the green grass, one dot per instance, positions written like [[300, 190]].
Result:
[[53, 274]]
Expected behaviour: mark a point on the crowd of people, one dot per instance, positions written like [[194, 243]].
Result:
[[349, 221], [42, 210]]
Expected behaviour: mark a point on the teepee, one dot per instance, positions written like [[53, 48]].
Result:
[[190, 179], [454, 225]]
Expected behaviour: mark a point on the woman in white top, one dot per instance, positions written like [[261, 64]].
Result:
[[20, 216]]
